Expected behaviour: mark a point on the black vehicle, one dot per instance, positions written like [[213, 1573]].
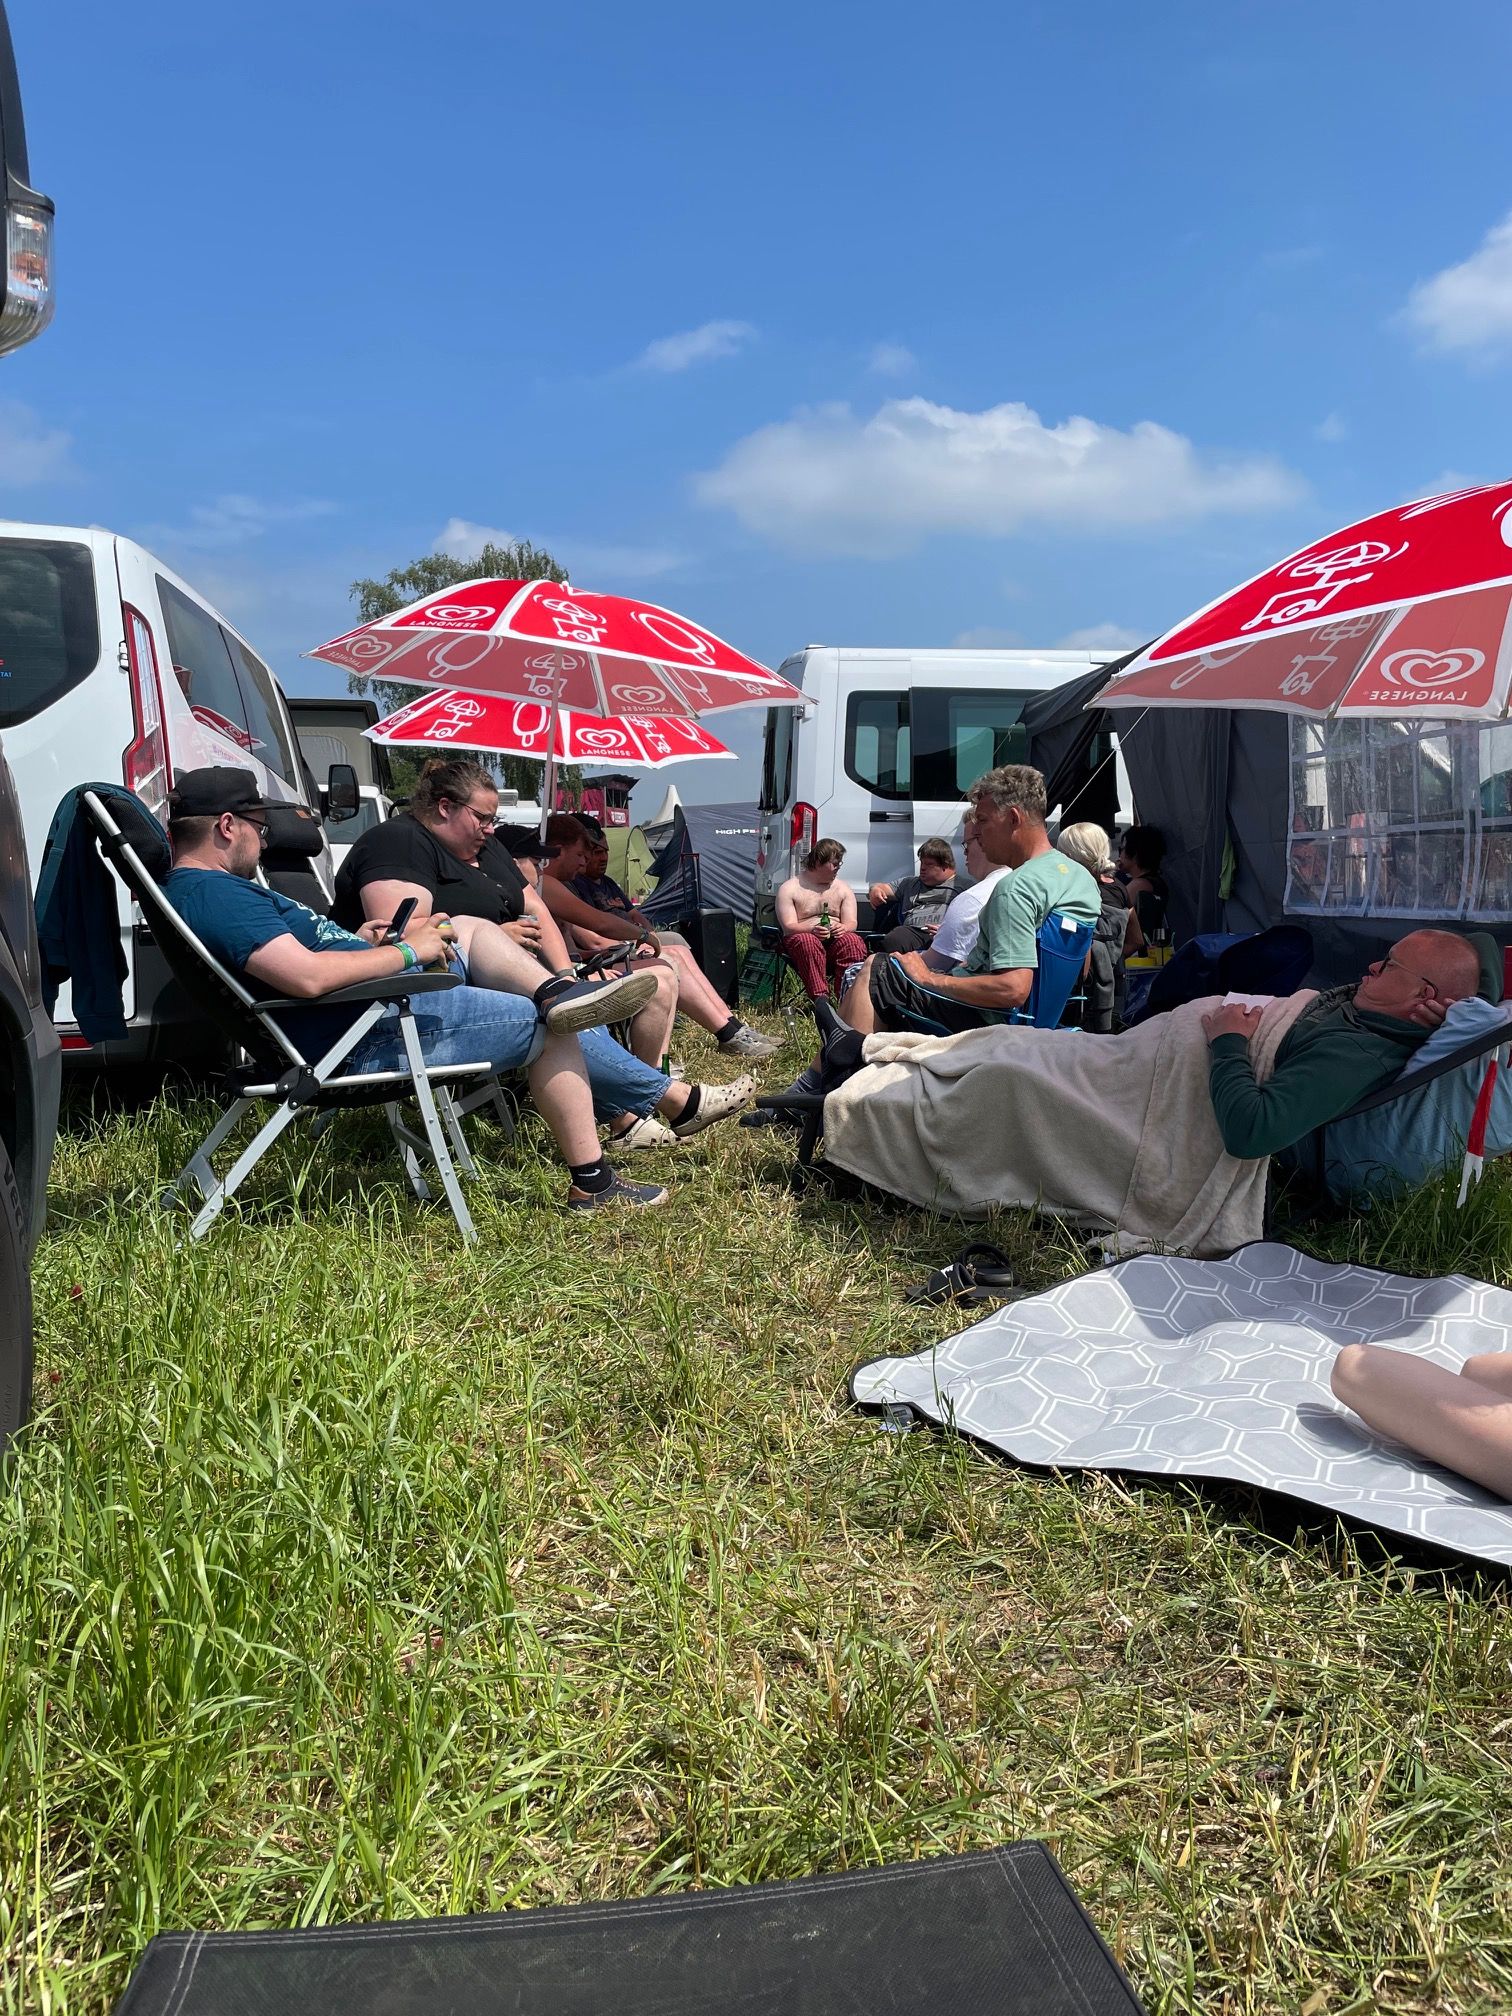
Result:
[[30, 1068]]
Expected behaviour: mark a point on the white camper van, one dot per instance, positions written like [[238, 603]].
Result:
[[880, 756], [113, 668]]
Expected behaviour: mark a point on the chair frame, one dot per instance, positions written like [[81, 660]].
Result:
[[279, 1072]]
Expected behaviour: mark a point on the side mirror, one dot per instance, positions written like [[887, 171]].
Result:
[[343, 798]]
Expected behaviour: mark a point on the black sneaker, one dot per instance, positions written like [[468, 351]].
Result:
[[619, 1192], [568, 1006]]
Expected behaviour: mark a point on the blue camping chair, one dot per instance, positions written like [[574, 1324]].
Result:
[[1062, 946]]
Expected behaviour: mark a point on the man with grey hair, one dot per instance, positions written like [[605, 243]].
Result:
[[902, 989]]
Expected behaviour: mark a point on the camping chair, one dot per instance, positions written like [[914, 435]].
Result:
[[1062, 944], [277, 1070], [768, 965]]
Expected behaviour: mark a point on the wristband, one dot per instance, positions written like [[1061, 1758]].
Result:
[[411, 957]]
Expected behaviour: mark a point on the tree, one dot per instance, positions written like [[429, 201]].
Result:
[[517, 561]]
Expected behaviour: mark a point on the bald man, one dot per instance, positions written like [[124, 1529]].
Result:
[[1343, 1045]]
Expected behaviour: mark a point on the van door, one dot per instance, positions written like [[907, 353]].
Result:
[[958, 733], [871, 781]]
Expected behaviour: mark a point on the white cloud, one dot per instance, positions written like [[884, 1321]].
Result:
[[1468, 306], [892, 360], [1101, 637], [828, 480], [702, 345], [986, 637], [235, 520], [30, 452], [1445, 484], [589, 562], [1331, 428]]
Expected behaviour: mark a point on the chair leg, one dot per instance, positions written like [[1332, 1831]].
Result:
[[221, 1193], [408, 1144], [492, 1094], [199, 1170], [447, 1107], [435, 1137]]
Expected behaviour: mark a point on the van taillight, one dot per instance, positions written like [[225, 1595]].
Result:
[[145, 768], [805, 828]]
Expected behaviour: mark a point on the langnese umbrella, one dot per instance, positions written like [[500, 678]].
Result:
[[533, 728], [1406, 613]]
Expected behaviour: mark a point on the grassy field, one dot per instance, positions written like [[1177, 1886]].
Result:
[[348, 1574]]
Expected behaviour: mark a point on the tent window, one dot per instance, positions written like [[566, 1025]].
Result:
[[1400, 819]]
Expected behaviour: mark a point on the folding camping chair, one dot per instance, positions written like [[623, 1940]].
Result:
[[277, 1071]]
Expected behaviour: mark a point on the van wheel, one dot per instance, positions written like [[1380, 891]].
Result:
[[15, 1310]]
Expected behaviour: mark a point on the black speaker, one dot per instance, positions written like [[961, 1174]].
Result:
[[711, 933]]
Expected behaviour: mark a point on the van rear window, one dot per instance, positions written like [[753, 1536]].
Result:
[[49, 624]]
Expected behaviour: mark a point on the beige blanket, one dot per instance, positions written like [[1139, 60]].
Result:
[[1112, 1131]]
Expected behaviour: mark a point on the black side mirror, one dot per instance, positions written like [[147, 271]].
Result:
[[343, 798]]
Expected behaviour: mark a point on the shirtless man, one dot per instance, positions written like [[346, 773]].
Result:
[[820, 951]]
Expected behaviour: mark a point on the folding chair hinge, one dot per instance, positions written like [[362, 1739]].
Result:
[[298, 1086]]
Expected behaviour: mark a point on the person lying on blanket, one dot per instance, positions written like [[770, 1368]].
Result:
[[1344, 1044], [280, 949], [1462, 1420]]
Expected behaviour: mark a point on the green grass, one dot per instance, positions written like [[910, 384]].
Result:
[[347, 1574]]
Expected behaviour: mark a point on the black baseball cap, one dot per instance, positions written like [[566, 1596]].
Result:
[[525, 842], [205, 794]]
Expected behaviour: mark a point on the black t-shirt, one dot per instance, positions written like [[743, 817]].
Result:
[[401, 850]]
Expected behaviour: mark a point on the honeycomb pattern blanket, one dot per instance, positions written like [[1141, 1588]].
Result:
[[1216, 1369]]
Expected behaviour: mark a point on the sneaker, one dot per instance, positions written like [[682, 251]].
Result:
[[751, 1044], [644, 1132], [619, 1192], [715, 1103], [568, 1006]]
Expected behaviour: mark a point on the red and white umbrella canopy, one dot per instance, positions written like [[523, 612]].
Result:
[[535, 728], [540, 640], [1406, 613]]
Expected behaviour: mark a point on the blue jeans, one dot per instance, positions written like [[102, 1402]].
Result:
[[475, 1025]]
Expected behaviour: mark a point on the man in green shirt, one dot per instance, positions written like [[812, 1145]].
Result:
[[1345, 1044], [899, 990]]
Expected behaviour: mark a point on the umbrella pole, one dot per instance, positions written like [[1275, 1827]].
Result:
[[548, 787]]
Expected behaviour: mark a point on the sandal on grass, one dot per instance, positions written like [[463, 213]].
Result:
[[978, 1274]]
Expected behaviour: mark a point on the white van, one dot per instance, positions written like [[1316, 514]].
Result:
[[889, 741], [112, 668]]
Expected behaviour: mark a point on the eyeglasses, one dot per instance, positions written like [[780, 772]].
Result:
[[1424, 985], [481, 818], [259, 825]]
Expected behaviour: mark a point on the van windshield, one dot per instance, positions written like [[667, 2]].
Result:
[[49, 625]]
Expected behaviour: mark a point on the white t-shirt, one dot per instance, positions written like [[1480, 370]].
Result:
[[963, 920]]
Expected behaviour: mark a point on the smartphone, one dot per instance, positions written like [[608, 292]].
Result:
[[399, 923]]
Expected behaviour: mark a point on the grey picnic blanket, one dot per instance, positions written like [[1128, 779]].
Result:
[[1216, 1368]]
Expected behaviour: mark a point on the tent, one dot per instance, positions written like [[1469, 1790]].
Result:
[[722, 838], [1217, 782]]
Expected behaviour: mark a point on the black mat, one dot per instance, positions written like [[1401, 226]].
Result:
[[995, 1934]]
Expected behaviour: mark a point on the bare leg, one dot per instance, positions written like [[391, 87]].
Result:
[[1455, 1421], [856, 1008], [494, 960], [695, 997], [1490, 1368], [559, 1086], [651, 1031]]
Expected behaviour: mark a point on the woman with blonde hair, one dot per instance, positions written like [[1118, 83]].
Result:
[[1117, 931]]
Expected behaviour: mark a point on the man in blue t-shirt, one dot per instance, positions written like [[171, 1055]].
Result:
[[281, 950]]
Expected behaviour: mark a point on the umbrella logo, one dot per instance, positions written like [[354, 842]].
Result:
[[675, 636], [1420, 669]]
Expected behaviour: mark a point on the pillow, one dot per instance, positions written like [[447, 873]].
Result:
[[1465, 1021]]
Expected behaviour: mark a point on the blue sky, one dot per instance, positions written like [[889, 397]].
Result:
[[854, 324]]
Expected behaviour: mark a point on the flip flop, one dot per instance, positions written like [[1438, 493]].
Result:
[[978, 1274]]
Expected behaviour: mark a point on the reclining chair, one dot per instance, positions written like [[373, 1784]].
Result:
[[277, 1071]]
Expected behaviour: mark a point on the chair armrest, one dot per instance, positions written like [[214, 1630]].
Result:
[[792, 1102], [388, 987]]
